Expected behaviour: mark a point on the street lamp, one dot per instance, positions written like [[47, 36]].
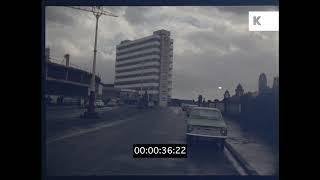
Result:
[[97, 12]]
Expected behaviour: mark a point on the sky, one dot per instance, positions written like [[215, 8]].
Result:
[[212, 45]]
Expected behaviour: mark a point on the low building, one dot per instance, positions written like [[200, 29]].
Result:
[[179, 102], [233, 105], [66, 83], [218, 104]]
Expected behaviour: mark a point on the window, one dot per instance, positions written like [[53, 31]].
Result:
[[206, 114]]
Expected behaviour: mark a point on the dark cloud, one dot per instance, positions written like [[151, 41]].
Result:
[[59, 16], [243, 10], [212, 45], [117, 10], [137, 15]]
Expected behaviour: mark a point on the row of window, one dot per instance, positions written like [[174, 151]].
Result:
[[138, 49], [137, 82], [138, 62], [145, 88], [137, 68], [137, 75], [139, 55], [138, 43]]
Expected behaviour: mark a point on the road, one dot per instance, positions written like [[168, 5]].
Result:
[[69, 113], [106, 149]]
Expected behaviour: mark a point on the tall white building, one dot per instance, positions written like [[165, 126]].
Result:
[[145, 65]]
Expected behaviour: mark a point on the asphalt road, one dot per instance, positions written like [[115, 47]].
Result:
[[106, 149], [60, 113]]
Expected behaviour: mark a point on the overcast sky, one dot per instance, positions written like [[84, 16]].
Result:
[[212, 45]]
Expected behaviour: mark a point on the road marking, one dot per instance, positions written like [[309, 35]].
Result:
[[234, 162], [81, 132]]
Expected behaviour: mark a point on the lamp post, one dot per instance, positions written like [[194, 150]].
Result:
[[97, 12], [91, 107]]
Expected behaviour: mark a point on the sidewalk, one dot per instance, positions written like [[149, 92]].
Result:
[[62, 107], [258, 154]]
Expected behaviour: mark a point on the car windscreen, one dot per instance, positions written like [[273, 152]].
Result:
[[205, 114]]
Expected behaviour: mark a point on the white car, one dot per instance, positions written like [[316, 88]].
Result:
[[112, 103], [99, 103], [206, 124]]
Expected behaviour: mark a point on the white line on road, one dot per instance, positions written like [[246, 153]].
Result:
[[81, 132]]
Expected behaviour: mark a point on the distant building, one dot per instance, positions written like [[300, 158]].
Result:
[[217, 104], [226, 95], [254, 94], [239, 90], [233, 105], [179, 102], [262, 82], [275, 83], [145, 65]]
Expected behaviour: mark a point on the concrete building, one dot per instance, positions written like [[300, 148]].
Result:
[[69, 82], [145, 65], [275, 85], [239, 90], [262, 82]]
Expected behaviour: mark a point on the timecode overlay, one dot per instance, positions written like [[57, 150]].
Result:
[[159, 151]]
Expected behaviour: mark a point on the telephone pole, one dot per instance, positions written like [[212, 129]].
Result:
[[97, 12]]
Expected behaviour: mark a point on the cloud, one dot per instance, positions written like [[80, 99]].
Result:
[[212, 45]]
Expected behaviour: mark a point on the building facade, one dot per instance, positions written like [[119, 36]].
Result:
[[262, 82], [145, 65]]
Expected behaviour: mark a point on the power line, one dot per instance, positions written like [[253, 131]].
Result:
[[93, 10], [97, 12]]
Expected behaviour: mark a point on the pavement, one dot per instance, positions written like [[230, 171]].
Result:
[[259, 155], [105, 146]]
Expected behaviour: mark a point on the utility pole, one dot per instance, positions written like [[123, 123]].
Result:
[[97, 12]]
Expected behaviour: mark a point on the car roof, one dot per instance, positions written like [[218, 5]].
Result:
[[205, 108]]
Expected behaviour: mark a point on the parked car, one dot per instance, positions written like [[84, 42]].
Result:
[[112, 102], [99, 103], [206, 124], [189, 107]]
